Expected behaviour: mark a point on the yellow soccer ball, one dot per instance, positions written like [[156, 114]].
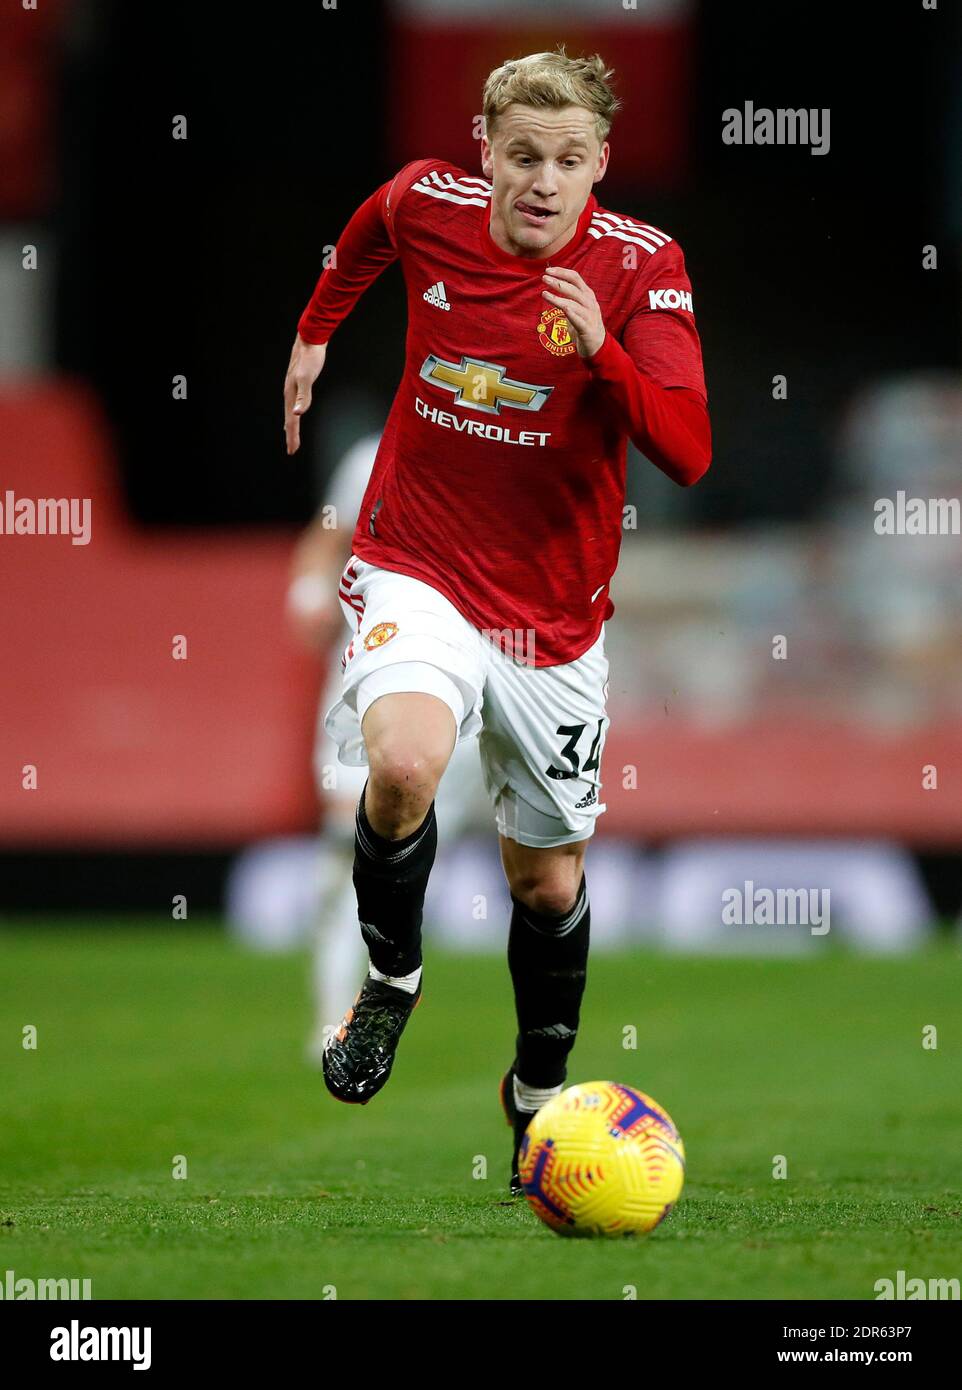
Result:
[[602, 1159]]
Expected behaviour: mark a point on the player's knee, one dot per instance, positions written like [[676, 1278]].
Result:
[[402, 783], [551, 892], [404, 776]]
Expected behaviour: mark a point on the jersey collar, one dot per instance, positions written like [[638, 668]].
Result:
[[534, 265]]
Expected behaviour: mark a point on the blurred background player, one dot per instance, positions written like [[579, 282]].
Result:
[[315, 617]]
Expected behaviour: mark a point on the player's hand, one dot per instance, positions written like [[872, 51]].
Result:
[[568, 291], [304, 368]]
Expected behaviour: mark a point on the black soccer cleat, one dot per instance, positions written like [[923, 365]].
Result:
[[519, 1121], [358, 1058]]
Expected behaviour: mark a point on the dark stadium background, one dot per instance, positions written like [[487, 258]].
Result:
[[197, 257], [203, 254]]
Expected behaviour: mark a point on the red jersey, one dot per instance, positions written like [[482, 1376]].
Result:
[[500, 477]]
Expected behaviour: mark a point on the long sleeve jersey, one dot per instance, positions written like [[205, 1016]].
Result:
[[500, 478]]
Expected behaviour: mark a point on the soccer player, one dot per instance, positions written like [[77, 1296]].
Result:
[[543, 331]]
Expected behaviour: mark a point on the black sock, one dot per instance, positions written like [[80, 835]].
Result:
[[548, 959], [390, 878]]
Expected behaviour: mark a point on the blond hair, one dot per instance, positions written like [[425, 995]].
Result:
[[552, 81]]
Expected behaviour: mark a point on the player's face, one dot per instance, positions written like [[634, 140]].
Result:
[[542, 165]]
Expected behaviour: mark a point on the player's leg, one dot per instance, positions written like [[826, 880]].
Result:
[[409, 737], [338, 948], [413, 681], [541, 752], [547, 956], [548, 942]]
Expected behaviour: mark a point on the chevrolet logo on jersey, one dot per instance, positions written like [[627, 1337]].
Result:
[[482, 385]]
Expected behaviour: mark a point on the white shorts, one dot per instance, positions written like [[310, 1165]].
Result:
[[461, 800], [541, 729]]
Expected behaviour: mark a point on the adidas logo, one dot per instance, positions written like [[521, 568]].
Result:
[[588, 800], [436, 296], [373, 931], [558, 1031]]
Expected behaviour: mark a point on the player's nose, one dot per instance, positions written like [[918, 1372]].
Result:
[[545, 186]]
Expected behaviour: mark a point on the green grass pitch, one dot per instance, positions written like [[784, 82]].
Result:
[[155, 1041]]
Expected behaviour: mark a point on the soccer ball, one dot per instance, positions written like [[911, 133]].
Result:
[[602, 1160]]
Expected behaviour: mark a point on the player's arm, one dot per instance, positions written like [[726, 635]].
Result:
[[364, 249], [367, 246], [669, 423]]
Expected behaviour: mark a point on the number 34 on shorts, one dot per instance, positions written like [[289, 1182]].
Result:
[[574, 767]]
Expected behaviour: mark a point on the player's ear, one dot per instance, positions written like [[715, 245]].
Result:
[[602, 163], [487, 162]]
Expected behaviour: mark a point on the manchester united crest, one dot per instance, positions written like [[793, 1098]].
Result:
[[554, 332], [379, 634]]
